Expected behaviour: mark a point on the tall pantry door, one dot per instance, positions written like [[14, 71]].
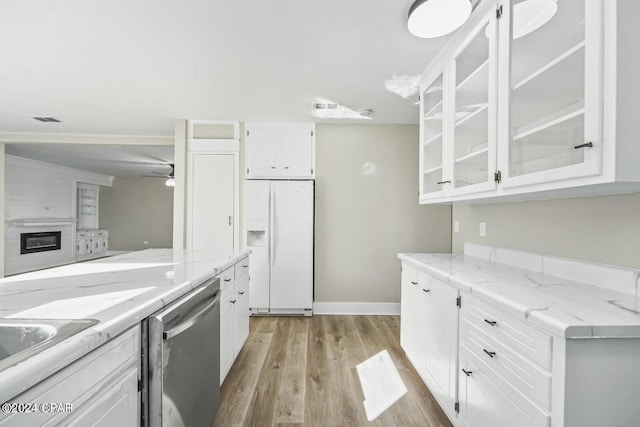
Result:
[[291, 252], [212, 201]]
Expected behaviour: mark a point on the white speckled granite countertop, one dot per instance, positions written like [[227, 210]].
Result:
[[118, 292], [565, 297]]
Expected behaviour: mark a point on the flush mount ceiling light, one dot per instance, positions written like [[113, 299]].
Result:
[[435, 18]]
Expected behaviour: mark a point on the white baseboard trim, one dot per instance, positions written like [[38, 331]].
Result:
[[357, 308]]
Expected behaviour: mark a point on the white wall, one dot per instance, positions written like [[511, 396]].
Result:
[[367, 211], [604, 229], [137, 210]]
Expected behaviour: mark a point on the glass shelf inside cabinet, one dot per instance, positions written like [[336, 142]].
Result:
[[548, 92], [471, 120], [432, 142]]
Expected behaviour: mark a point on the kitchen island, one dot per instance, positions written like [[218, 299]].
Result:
[[117, 293]]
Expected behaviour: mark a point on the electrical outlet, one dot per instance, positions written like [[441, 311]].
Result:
[[145, 242], [456, 226], [483, 229]]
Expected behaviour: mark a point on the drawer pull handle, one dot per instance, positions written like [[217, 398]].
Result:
[[588, 144], [489, 353], [245, 266], [426, 290], [414, 283], [233, 301], [491, 322], [241, 293], [443, 182], [467, 373], [227, 280]]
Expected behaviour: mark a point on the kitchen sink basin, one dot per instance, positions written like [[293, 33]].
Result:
[[20, 338]]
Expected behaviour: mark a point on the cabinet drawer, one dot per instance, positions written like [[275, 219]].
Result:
[[409, 275], [242, 268], [486, 399], [226, 278], [532, 381], [522, 338]]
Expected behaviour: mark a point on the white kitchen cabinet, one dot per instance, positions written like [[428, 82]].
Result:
[[213, 188], [440, 307], [410, 316], [234, 314], [486, 400], [280, 151], [458, 126], [241, 313], [429, 333], [531, 109], [114, 407], [227, 330], [102, 388]]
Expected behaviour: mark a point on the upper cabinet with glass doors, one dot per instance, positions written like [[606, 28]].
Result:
[[537, 98], [552, 55]]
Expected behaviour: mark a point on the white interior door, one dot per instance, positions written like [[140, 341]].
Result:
[[257, 235], [212, 201], [291, 251], [296, 152], [262, 152]]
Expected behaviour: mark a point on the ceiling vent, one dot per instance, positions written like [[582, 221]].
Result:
[[47, 119]]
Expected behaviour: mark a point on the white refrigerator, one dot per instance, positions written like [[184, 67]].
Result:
[[278, 229]]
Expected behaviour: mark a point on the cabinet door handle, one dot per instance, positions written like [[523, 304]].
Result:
[[241, 293], [426, 290], [286, 167], [233, 301], [227, 280], [588, 144], [444, 182], [245, 266], [414, 283], [467, 373], [229, 219], [491, 322], [489, 353], [273, 167]]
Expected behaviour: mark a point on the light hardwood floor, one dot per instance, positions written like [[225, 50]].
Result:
[[296, 371]]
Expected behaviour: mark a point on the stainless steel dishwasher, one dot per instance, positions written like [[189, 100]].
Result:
[[183, 361]]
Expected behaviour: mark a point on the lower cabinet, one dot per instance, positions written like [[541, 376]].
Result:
[[441, 340], [429, 333], [234, 314], [101, 389]]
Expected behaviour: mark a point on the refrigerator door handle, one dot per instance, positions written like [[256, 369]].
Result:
[[272, 237]]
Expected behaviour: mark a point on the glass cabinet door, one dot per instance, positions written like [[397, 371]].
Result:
[[431, 180], [474, 112], [554, 115]]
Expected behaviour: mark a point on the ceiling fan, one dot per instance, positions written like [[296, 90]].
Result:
[[170, 182]]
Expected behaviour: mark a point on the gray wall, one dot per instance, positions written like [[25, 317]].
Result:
[[604, 229], [135, 210], [367, 211]]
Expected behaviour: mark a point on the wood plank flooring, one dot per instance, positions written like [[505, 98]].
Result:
[[297, 371]]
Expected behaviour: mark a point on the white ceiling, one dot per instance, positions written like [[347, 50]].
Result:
[[123, 67], [115, 160]]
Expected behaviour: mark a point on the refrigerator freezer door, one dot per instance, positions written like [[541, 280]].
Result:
[[256, 236], [291, 257]]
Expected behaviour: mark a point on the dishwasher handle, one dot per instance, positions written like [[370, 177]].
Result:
[[192, 319]]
